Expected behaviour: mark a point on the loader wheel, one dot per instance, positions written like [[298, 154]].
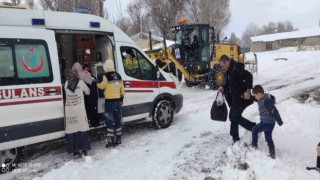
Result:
[[163, 114], [9, 159], [217, 77], [189, 83]]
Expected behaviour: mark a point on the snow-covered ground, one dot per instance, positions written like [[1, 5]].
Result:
[[195, 147]]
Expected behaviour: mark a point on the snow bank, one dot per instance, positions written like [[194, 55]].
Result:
[[195, 147]]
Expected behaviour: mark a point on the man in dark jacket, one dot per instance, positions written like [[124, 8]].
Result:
[[237, 91], [269, 114]]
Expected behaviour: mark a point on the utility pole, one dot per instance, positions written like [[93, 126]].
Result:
[[101, 8], [150, 32]]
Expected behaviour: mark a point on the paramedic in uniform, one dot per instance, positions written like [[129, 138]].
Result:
[[113, 93]]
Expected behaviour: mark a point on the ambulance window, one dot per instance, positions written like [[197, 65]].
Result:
[[32, 61], [136, 65], [6, 62], [24, 61]]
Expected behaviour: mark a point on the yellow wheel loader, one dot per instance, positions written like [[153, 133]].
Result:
[[195, 55]]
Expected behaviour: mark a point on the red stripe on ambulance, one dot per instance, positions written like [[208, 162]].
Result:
[[150, 84], [30, 101], [29, 92], [139, 91]]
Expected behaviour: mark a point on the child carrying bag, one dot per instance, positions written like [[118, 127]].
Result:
[[219, 110]]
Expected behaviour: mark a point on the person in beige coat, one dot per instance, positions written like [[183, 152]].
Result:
[[75, 114]]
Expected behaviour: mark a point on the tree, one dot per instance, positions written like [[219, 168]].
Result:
[[135, 12], [271, 28], [124, 23], [234, 39], [281, 27], [213, 12], [250, 31], [289, 26], [192, 12], [106, 14], [30, 3], [16, 1], [70, 5], [164, 14], [216, 13]]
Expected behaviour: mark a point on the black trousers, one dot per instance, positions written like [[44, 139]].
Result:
[[238, 105], [91, 102]]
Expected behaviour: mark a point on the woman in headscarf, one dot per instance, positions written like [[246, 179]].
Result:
[[82, 74], [76, 117], [90, 100]]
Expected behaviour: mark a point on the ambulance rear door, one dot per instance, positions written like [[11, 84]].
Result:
[[31, 102]]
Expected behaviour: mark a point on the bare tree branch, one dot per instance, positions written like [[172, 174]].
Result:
[[164, 13], [135, 12]]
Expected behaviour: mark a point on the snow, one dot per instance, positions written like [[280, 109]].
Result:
[[195, 147], [287, 35]]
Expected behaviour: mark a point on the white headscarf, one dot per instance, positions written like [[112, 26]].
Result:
[[108, 66]]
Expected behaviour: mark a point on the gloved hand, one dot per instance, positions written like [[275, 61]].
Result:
[[121, 101], [100, 78], [280, 123]]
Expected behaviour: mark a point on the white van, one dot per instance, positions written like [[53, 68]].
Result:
[[37, 48]]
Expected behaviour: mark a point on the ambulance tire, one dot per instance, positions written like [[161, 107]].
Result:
[[10, 159], [163, 114]]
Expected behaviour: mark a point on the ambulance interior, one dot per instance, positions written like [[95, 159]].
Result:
[[87, 49]]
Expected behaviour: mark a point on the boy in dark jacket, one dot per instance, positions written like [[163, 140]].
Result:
[[268, 116]]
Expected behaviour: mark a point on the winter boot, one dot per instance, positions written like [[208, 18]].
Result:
[[235, 141], [272, 153], [110, 142], [76, 154], [118, 140], [255, 147], [85, 153]]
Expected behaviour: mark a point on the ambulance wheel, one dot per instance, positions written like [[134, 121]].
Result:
[[163, 114], [9, 159]]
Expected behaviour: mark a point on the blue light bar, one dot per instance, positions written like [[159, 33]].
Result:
[[95, 24], [38, 22]]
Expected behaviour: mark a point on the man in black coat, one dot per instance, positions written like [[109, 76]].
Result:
[[237, 87]]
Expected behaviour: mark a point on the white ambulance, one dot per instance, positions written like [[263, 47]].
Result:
[[37, 48]]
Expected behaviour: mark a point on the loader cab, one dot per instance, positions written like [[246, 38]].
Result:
[[194, 42]]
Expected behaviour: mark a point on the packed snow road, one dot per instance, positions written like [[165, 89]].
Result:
[[195, 147]]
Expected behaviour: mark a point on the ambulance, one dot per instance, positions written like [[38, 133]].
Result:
[[38, 48]]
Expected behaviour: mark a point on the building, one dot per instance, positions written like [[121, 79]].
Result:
[[304, 37], [142, 40]]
